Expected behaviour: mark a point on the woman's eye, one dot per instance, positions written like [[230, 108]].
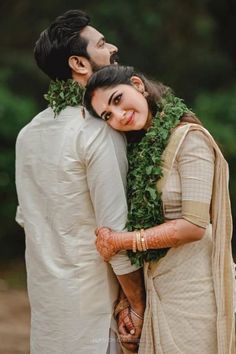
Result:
[[117, 99], [107, 116]]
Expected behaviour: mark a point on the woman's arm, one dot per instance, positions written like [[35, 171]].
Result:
[[170, 234]]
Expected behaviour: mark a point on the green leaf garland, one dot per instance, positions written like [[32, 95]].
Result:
[[64, 93], [145, 159]]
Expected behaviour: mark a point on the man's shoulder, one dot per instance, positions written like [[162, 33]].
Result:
[[47, 115], [27, 127], [96, 135]]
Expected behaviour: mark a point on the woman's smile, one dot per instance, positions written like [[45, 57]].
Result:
[[124, 108], [130, 118]]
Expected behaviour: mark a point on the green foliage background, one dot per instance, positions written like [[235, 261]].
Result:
[[189, 45]]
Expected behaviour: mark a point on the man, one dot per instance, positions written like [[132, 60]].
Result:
[[70, 178]]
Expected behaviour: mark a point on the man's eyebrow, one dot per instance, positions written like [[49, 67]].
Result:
[[109, 101], [102, 39]]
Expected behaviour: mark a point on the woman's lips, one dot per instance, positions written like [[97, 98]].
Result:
[[130, 119]]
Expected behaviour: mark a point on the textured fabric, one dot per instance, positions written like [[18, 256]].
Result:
[[183, 307], [188, 189], [190, 291], [66, 170]]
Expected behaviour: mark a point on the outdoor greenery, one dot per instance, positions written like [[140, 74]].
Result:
[[189, 45]]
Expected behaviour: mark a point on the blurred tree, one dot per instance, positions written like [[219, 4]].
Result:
[[15, 112], [224, 13]]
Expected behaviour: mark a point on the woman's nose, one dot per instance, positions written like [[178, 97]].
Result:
[[120, 113]]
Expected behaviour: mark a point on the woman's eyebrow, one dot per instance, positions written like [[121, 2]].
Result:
[[109, 101]]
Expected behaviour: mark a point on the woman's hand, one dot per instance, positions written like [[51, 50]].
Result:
[[129, 327], [128, 340], [105, 243]]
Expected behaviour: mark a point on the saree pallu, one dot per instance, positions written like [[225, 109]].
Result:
[[190, 291]]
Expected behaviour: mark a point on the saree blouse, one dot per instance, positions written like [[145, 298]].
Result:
[[188, 189]]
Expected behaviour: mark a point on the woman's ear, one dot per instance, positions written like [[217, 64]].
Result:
[[137, 82], [79, 65]]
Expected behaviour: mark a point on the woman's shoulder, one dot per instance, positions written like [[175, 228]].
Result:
[[197, 139]]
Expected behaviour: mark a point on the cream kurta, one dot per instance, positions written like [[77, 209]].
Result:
[[70, 178]]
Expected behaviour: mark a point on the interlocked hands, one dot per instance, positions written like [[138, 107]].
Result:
[[129, 327]]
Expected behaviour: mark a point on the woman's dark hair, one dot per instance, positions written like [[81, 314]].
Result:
[[59, 41], [113, 75]]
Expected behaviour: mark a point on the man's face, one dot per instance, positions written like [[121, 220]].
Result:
[[100, 52]]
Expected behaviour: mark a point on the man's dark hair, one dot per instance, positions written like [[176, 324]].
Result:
[[59, 41]]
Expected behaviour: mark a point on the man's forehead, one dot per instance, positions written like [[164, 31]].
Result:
[[91, 34]]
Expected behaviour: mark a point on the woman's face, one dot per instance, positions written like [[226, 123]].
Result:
[[123, 107]]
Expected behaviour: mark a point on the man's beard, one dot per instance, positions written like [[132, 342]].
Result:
[[113, 60]]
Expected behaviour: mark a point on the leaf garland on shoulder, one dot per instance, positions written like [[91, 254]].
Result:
[[145, 208], [64, 93]]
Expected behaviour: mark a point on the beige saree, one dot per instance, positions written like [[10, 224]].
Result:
[[190, 291]]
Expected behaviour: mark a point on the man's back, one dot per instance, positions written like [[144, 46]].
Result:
[[63, 168]]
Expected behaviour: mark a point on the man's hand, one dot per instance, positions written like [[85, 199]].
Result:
[[129, 327], [105, 243], [124, 322]]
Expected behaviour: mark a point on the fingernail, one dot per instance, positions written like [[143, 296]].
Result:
[[132, 331]]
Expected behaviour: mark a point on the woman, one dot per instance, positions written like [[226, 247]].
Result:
[[179, 215]]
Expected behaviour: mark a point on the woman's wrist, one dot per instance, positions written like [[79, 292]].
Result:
[[123, 240], [139, 307]]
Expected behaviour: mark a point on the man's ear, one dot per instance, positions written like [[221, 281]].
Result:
[[79, 65], [137, 82]]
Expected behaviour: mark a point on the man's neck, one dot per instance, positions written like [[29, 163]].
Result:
[[81, 79]]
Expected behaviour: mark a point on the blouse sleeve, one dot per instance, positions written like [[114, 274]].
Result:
[[195, 161]]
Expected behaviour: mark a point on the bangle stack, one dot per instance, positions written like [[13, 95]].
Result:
[[139, 241]]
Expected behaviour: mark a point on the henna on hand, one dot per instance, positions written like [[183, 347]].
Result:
[[125, 323], [130, 341], [105, 243]]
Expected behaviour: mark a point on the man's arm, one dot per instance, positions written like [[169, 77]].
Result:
[[106, 175], [132, 285]]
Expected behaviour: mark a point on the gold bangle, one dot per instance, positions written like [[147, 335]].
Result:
[[143, 239], [134, 243], [136, 314], [138, 241]]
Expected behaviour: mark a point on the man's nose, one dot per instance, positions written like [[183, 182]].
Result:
[[112, 48]]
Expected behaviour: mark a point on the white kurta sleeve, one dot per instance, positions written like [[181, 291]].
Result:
[[107, 166], [19, 217]]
